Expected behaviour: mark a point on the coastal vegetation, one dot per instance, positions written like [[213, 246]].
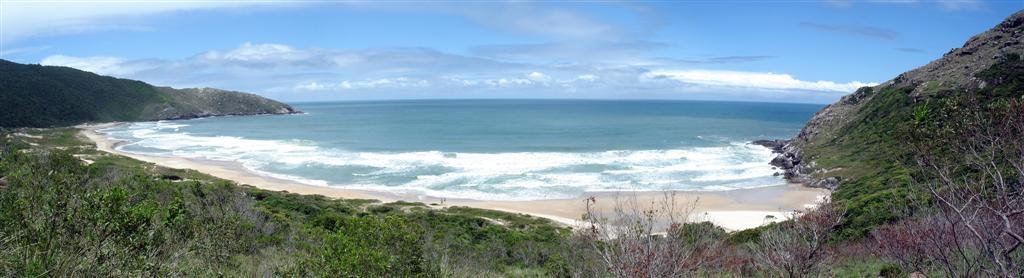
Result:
[[879, 157], [927, 172], [70, 209], [870, 147], [49, 96]]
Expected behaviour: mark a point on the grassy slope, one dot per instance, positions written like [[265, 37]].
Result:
[[869, 140], [873, 152]]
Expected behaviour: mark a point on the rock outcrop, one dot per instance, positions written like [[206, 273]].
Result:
[[791, 164], [207, 102]]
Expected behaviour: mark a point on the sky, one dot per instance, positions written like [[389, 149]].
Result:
[[775, 51]]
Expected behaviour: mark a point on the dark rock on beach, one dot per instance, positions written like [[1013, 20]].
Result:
[[776, 145], [792, 165]]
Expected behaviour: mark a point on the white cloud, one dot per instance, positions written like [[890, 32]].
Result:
[[756, 80], [538, 76], [587, 77], [249, 52], [311, 86], [21, 19], [532, 80], [97, 64], [283, 71], [32, 18], [365, 84], [398, 82], [509, 82]]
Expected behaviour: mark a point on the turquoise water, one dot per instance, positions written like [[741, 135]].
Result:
[[492, 149]]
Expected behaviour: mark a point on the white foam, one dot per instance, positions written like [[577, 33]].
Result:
[[485, 176]]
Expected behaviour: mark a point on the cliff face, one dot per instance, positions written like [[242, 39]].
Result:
[[47, 96], [839, 128]]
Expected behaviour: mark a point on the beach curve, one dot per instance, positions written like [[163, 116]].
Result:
[[730, 209]]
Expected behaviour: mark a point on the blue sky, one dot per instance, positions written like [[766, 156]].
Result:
[[788, 51]]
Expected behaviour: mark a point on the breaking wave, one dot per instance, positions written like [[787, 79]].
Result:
[[481, 176]]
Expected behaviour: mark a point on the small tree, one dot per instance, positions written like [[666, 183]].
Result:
[[980, 192], [973, 172], [649, 240], [795, 248]]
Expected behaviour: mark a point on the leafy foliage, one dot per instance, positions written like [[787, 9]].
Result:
[[117, 216], [40, 96], [48, 96], [371, 246]]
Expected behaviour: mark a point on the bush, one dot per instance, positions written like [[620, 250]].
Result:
[[372, 246], [61, 217], [118, 217]]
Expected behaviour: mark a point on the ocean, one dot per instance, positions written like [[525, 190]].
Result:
[[491, 149]]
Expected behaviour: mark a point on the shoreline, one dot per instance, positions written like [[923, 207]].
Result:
[[731, 209]]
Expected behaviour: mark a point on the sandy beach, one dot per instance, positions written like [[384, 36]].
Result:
[[732, 209]]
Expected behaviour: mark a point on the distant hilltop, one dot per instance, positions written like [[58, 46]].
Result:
[[49, 96]]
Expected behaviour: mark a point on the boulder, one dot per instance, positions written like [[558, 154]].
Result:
[[828, 183], [171, 177], [776, 145]]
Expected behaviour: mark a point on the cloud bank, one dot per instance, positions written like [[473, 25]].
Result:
[[291, 73], [22, 19], [753, 80]]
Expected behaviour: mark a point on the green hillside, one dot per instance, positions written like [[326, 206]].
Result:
[[47, 96], [867, 145]]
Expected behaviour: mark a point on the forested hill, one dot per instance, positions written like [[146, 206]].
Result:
[[48, 96], [868, 145]]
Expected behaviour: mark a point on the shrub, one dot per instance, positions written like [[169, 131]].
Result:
[[372, 246]]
